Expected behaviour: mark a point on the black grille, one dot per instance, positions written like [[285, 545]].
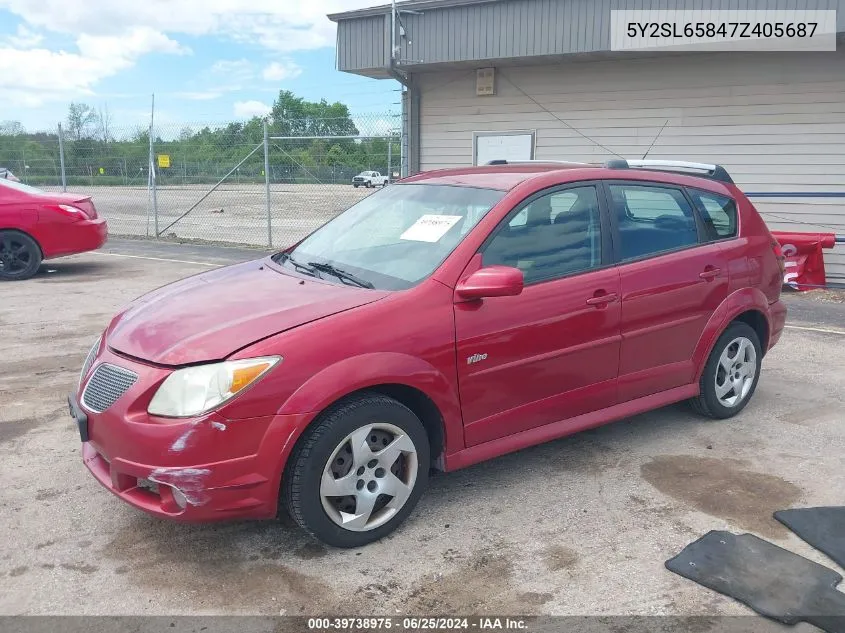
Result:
[[107, 384]]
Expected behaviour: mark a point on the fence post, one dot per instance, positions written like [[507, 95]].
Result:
[[62, 158], [152, 179], [267, 184], [390, 157]]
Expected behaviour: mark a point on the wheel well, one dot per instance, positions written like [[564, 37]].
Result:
[[29, 235], [758, 323], [423, 407]]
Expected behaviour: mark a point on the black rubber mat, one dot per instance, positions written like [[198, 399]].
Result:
[[773, 581], [823, 528]]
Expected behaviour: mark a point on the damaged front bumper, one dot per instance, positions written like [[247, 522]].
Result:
[[225, 490], [200, 469]]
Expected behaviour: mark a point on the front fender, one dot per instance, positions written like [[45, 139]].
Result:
[[735, 304], [377, 368]]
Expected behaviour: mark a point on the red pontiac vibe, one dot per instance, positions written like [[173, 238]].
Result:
[[37, 225], [445, 320]]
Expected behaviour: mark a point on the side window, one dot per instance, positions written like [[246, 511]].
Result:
[[651, 220], [717, 212], [553, 236]]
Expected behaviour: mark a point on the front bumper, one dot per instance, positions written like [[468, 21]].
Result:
[[200, 469]]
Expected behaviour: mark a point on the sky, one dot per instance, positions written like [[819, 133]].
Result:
[[206, 60]]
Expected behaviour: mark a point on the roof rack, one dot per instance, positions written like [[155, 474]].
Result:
[[703, 170], [538, 162]]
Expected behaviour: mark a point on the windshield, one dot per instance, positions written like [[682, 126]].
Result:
[[397, 237], [11, 184]]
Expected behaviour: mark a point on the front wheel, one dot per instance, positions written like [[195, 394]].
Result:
[[358, 472], [20, 256], [731, 374]]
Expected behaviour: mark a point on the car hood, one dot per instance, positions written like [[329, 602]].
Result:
[[212, 315]]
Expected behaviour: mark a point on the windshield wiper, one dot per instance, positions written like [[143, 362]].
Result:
[[307, 269], [341, 274]]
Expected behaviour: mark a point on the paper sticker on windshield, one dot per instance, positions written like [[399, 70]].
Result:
[[430, 228]]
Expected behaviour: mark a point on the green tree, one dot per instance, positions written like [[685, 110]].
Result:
[[82, 121], [294, 116]]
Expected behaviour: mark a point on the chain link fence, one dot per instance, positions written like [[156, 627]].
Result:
[[259, 183]]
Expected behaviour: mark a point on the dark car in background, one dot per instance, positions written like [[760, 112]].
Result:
[[6, 174]]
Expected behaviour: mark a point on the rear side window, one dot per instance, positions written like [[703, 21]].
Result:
[[651, 220], [718, 213]]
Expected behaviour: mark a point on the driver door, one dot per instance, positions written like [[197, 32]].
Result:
[[551, 353]]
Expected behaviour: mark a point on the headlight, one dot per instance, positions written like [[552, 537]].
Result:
[[196, 390], [89, 360]]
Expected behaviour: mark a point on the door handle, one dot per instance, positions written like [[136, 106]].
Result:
[[710, 273], [600, 300]]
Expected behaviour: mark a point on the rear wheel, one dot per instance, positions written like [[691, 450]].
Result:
[[731, 374], [359, 472], [20, 256]]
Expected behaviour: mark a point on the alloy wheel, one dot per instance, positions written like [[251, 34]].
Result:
[[369, 477], [736, 371], [15, 256]]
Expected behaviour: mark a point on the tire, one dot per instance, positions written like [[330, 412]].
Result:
[[20, 256], [356, 186], [737, 349], [324, 461]]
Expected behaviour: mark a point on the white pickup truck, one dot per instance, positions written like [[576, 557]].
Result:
[[370, 179]]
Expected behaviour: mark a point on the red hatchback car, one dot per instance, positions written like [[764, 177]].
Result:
[[37, 225], [454, 317]]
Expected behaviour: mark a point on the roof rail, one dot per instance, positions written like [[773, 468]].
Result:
[[538, 162], [703, 170]]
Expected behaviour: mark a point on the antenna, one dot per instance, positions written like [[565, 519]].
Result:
[[655, 139]]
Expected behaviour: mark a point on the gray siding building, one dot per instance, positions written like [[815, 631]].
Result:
[[775, 120]]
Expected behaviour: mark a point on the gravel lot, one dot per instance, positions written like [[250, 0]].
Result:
[[577, 526], [234, 213]]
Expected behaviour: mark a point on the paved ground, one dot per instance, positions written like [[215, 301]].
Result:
[[234, 213], [577, 526]]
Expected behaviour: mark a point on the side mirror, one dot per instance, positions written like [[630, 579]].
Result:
[[493, 281]]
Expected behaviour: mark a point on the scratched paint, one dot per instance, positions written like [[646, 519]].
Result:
[[182, 442], [190, 481]]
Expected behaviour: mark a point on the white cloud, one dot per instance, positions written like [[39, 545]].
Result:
[[31, 77], [249, 109], [279, 71], [282, 25], [25, 38], [111, 35], [234, 69]]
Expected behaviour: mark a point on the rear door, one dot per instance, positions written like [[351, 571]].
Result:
[[552, 352], [672, 280]]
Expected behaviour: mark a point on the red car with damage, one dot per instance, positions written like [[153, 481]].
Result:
[[36, 225], [452, 318]]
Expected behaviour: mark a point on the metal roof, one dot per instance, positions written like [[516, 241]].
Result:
[[408, 5]]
